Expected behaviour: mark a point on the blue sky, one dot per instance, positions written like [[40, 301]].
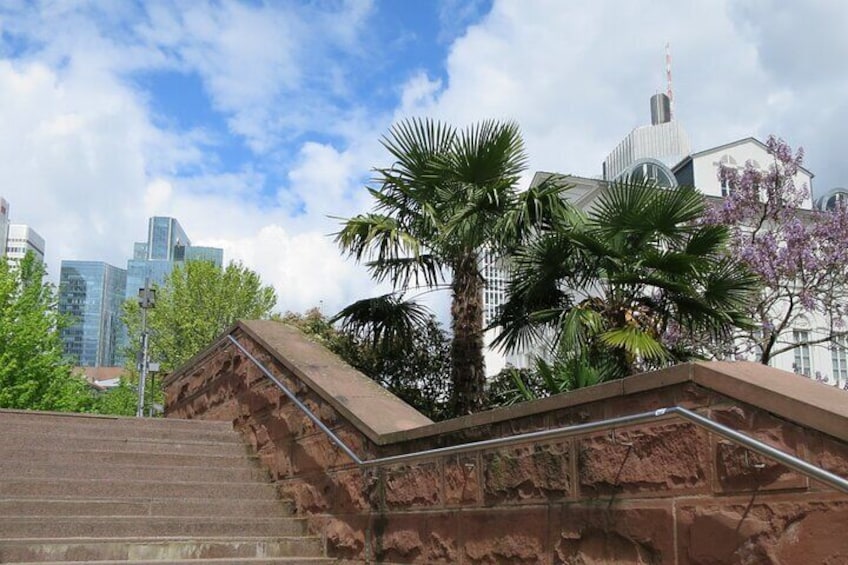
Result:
[[256, 122]]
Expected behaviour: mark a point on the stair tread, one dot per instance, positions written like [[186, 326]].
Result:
[[232, 560]]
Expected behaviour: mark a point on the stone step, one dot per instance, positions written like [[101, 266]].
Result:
[[225, 561], [122, 430], [64, 420], [116, 444], [94, 456], [94, 470], [186, 507], [147, 526], [128, 489], [155, 549]]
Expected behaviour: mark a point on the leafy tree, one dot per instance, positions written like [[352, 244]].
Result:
[[800, 255], [628, 288], [33, 372], [416, 367], [449, 196], [118, 401], [196, 303]]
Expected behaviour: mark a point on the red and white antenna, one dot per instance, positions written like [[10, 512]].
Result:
[[669, 91]]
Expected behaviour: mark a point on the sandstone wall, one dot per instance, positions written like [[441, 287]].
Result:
[[668, 492]]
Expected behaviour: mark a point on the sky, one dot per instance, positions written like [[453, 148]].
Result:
[[257, 124]]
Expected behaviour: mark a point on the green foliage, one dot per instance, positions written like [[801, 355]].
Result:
[[118, 401], [638, 283], [197, 302], [34, 374], [450, 195], [415, 366]]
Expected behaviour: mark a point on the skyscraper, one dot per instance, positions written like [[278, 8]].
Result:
[[92, 293], [167, 244], [20, 239]]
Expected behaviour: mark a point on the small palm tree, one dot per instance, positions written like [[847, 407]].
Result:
[[636, 284], [449, 196]]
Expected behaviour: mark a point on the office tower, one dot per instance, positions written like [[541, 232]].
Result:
[[21, 238], [92, 294], [4, 224], [167, 245]]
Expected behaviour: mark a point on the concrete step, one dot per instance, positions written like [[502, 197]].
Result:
[[94, 470], [186, 507], [118, 444], [129, 490], [94, 456], [132, 526], [153, 549]]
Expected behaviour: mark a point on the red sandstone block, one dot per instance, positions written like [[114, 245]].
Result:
[[619, 532], [528, 474], [419, 537], [771, 529], [412, 486], [648, 461], [462, 481], [342, 492], [505, 535], [738, 470]]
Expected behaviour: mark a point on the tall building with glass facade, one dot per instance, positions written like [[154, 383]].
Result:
[[91, 293], [167, 245]]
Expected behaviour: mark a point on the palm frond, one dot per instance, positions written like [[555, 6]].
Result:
[[386, 321]]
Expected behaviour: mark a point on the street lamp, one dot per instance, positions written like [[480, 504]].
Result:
[[146, 300]]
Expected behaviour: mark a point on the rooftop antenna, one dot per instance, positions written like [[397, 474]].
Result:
[[669, 91]]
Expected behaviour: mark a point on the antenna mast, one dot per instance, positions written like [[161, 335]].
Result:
[[669, 91]]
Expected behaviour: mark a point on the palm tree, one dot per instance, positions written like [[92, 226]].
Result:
[[449, 196], [639, 282]]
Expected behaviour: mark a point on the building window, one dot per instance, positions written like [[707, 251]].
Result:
[[802, 365], [839, 356]]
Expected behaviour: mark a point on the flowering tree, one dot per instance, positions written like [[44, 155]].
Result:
[[800, 255]]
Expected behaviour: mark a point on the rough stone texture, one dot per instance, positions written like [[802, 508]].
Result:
[[789, 530], [658, 459], [416, 537], [514, 536], [412, 486], [630, 532], [462, 481], [532, 473], [664, 492]]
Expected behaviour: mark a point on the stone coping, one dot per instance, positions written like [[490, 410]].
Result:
[[371, 408], [385, 419]]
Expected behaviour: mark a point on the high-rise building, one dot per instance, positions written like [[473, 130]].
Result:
[[650, 151], [21, 238], [4, 224], [92, 293], [167, 245]]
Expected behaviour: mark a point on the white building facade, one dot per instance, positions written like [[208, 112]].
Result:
[[22, 238], [649, 153]]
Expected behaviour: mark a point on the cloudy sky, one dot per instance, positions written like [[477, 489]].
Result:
[[254, 123]]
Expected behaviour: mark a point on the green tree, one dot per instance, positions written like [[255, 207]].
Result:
[[195, 304], [449, 196], [33, 371], [639, 283], [415, 367]]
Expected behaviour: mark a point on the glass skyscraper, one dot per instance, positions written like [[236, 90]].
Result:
[[167, 244], [92, 293]]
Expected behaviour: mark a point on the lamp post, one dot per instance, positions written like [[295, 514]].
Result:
[[146, 300]]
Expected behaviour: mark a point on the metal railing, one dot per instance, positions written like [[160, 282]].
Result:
[[755, 445]]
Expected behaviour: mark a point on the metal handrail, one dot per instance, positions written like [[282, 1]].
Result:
[[790, 461]]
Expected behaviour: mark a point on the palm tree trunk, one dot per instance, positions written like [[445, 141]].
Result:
[[467, 364]]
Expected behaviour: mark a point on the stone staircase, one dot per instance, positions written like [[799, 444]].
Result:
[[82, 489]]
